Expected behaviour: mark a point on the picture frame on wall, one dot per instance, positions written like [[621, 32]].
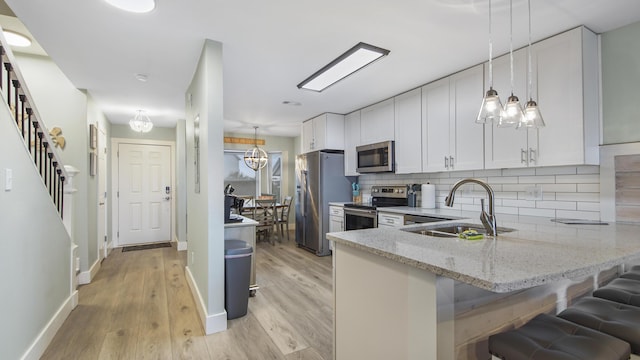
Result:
[[93, 136], [196, 150]]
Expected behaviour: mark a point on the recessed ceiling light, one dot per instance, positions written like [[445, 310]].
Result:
[[134, 6], [292, 103], [344, 65], [16, 39]]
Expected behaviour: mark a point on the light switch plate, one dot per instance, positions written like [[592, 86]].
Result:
[[534, 192], [8, 179]]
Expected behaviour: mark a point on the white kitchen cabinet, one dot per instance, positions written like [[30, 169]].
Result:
[[565, 86], [351, 141], [377, 122], [408, 132], [336, 220], [390, 220], [450, 105], [323, 132]]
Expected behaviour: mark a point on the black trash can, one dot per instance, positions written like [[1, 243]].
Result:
[[237, 274]]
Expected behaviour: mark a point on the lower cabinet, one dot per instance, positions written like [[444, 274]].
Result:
[[390, 220], [336, 220]]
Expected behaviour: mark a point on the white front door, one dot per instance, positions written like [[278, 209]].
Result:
[[144, 187]]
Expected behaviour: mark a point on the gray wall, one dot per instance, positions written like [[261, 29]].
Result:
[[61, 104], [620, 89], [205, 220], [157, 133], [35, 251], [181, 181]]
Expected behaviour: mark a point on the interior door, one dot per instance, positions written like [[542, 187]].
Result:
[[144, 188]]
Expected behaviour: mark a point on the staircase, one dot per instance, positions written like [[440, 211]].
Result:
[[30, 126]]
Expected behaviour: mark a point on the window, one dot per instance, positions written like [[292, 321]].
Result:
[[245, 181]]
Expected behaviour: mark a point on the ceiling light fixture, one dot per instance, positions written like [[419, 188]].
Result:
[[134, 6], [255, 158], [512, 114], [344, 65], [142, 77], [532, 117], [491, 106], [141, 122], [16, 39]]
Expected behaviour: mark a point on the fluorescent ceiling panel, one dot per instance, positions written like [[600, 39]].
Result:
[[346, 64]]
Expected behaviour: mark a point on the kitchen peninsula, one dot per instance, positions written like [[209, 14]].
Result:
[[404, 295]]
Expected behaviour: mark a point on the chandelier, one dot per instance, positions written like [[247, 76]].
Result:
[[141, 122], [255, 158]]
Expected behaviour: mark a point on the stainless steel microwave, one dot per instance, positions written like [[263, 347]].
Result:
[[376, 158]]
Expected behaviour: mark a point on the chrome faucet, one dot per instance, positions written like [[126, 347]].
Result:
[[488, 219]]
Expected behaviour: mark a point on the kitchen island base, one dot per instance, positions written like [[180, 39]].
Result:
[[385, 309]]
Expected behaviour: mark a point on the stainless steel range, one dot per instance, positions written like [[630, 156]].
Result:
[[365, 216]]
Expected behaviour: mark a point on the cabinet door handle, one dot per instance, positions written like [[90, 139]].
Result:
[[532, 155], [446, 162], [451, 162], [523, 156]]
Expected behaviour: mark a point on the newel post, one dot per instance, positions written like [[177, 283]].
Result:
[[68, 220]]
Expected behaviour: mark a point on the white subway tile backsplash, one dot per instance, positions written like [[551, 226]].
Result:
[[537, 179], [567, 191], [589, 169], [589, 206], [594, 188], [537, 212], [585, 215], [578, 179], [590, 197], [503, 180], [558, 187], [560, 205], [556, 170], [519, 172]]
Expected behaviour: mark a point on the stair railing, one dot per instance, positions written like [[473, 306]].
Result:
[[29, 124]]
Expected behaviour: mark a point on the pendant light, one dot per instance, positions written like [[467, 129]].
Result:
[[532, 117], [255, 158], [491, 105], [512, 113], [141, 122]]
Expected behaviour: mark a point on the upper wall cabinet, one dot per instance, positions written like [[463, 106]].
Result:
[[323, 132], [565, 86], [351, 141], [408, 132], [452, 140], [377, 122]]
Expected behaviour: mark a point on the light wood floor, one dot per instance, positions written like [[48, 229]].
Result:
[[139, 307]]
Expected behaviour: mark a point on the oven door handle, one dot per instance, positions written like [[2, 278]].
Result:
[[360, 212]]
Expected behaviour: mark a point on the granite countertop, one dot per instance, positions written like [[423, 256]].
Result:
[[537, 252]]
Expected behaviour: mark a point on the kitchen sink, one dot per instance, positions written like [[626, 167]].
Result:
[[452, 230]]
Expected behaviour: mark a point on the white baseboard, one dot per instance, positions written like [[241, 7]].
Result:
[[212, 323], [109, 247], [43, 339], [85, 276]]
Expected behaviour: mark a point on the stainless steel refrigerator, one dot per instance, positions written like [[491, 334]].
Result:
[[319, 180]]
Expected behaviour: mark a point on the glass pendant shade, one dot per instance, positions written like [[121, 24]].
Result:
[[491, 108], [141, 122], [532, 117], [256, 158], [512, 113]]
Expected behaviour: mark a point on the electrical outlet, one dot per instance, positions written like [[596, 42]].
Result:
[[534, 192]]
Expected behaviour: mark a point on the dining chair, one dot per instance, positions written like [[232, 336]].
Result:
[[249, 209], [282, 219], [266, 218]]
